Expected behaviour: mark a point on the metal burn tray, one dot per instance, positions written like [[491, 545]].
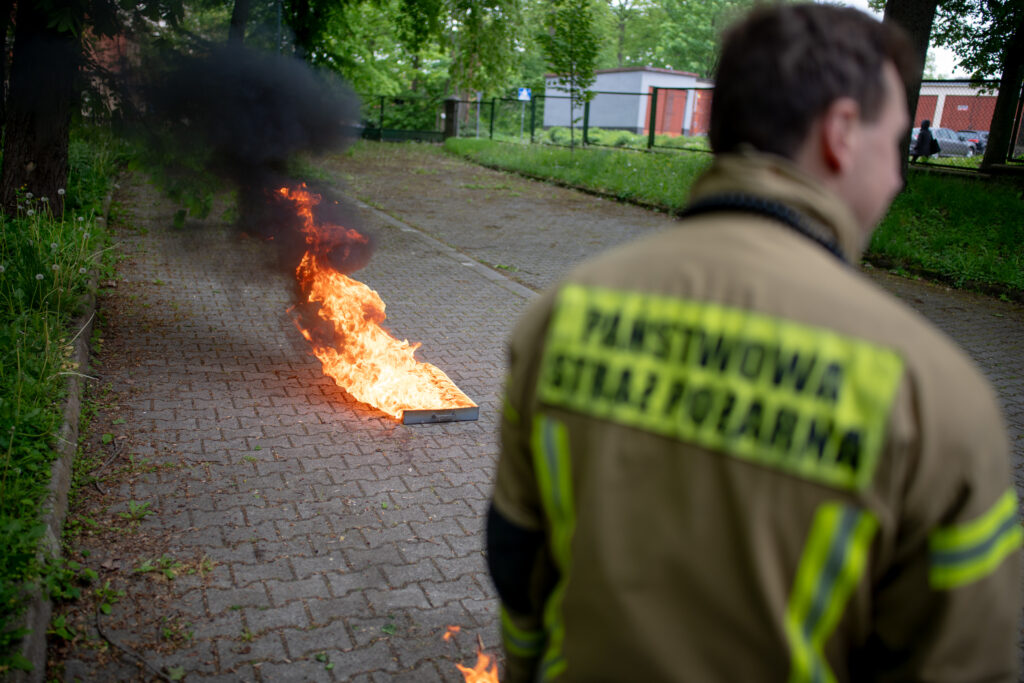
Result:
[[418, 417]]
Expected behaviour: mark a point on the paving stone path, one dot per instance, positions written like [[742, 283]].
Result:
[[311, 538]]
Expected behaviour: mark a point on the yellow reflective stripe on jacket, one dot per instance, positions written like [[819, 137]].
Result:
[[833, 561], [519, 641], [967, 552], [553, 468], [795, 397]]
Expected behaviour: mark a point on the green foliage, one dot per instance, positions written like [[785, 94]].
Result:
[[690, 35], [45, 268], [570, 45], [629, 31], [980, 33]]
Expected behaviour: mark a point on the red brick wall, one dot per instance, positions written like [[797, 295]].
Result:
[[968, 111], [926, 109]]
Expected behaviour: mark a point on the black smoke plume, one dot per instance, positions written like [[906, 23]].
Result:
[[228, 113]]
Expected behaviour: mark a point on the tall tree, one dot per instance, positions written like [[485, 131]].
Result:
[[570, 45], [988, 36], [691, 35], [38, 115], [239, 18], [44, 88]]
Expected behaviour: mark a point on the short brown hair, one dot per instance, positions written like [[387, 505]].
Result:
[[782, 66]]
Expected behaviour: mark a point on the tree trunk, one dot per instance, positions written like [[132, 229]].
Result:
[[6, 7], [915, 17], [239, 18], [622, 39], [1001, 131], [38, 112], [302, 28]]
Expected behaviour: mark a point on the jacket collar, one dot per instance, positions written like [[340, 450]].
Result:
[[776, 178]]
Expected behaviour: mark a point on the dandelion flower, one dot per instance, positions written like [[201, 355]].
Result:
[[29, 195], [2, 269], [54, 267], [39, 276], [81, 271], [80, 219], [53, 245], [30, 212], [60, 191], [44, 199], [86, 235]]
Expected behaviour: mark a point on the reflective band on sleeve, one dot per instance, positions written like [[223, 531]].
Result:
[[967, 552], [833, 561], [554, 477], [518, 641], [802, 399]]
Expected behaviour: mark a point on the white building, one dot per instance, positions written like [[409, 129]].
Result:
[[630, 110]]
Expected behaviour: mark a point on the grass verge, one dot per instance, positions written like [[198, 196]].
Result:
[[659, 180], [46, 264], [963, 231]]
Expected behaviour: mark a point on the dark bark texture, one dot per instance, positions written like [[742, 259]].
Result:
[[915, 17], [6, 8], [239, 18], [1001, 133], [38, 116]]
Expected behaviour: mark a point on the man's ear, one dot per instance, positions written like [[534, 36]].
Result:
[[839, 126]]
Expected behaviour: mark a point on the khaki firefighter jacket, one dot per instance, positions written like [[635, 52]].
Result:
[[749, 463]]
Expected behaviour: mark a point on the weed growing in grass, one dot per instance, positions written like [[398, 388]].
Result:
[[45, 266]]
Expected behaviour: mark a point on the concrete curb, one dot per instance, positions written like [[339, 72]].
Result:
[[37, 616]]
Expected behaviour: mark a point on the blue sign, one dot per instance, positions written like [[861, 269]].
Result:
[[524, 94]]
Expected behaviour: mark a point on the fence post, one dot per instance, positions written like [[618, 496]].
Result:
[[653, 118], [533, 116], [451, 117], [586, 121], [491, 133], [380, 121]]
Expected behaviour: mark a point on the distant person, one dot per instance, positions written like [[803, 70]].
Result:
[[726, 454], [924, 142]]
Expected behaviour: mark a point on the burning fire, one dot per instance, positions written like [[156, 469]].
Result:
[[486, 669], [356, 352]]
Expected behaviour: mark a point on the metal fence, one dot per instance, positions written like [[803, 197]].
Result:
[[663, 119]]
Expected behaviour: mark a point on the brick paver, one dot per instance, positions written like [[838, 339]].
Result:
[[330, 528], [339, 545]]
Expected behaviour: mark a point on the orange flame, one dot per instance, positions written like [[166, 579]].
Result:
[[362, 358], [486, 669]]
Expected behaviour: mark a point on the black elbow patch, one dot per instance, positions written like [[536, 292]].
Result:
[[512, 557]]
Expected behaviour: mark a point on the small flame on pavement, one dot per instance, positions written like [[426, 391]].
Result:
[[486, 668], [356, 352]]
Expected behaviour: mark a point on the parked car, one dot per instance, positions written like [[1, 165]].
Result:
[[978, 138], [950, 144]]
